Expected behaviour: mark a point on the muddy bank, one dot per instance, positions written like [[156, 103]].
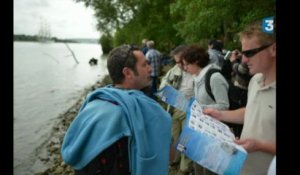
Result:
[[49, 157]]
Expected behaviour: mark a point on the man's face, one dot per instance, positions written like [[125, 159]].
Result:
[[142, 78], [256, 56]]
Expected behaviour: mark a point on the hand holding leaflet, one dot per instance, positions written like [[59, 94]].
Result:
[[210, 142], [204, 139], [171, 96]]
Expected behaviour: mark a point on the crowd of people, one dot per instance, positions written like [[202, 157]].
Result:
[[122, 128]]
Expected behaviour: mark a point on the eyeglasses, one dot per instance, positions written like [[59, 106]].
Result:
[[252, 52], [130, 49], [129, 58]]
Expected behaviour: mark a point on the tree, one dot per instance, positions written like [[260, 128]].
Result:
[[106, 43], [170, 23], [222, 19]]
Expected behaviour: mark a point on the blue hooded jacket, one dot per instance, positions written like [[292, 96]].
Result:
[[100, 123]]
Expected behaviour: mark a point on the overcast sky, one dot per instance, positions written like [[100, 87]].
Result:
[[66, 18]]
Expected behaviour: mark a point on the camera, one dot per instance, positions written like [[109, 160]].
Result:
[[228, 55]]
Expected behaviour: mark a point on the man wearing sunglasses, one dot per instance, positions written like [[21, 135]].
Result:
[[120, 130], [259, 117]]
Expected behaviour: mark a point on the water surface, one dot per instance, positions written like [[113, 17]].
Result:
[[47, 81]]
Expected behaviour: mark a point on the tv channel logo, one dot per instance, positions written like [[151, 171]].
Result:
[[268, 25]]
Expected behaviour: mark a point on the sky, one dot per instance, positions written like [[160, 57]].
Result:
[[66, 18]]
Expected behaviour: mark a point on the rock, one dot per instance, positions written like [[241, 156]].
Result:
[[44, 155]]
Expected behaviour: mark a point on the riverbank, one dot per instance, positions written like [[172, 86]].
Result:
[[49, 157]]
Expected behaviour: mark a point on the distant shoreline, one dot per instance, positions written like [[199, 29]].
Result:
[[35, 38]]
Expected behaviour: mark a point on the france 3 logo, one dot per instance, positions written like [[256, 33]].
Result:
[[268, 25]]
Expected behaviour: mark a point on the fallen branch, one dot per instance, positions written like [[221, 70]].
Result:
[[72, 53]]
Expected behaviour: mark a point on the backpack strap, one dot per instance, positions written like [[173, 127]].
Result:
[[207, 81]]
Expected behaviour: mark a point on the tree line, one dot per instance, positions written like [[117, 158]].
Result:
[[35, 38], [173, 22]]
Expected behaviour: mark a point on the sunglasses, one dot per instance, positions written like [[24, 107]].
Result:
[[252, 52], [128, 61], [130, 49]]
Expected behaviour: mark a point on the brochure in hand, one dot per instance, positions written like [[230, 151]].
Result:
[[204, 139]]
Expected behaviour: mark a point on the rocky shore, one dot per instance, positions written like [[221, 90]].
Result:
[[49, 156]]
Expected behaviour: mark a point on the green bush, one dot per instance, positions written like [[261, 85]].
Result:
[[106, 43]]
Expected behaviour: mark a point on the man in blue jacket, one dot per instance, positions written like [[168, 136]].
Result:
[[117, 112]]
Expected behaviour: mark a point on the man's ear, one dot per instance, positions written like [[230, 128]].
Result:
[[127, 72]]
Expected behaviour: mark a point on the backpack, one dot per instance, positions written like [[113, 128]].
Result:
[[236, 97]]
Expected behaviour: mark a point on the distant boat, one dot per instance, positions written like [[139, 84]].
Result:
[[44, 34]]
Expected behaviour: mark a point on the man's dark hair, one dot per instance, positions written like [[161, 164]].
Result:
[[216, 44], [195, 54], [119, 58]]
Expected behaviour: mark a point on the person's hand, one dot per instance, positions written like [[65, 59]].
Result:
[[213, 113], [250, 145], [235, 55]]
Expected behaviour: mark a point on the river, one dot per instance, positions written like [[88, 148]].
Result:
[[47, 81]]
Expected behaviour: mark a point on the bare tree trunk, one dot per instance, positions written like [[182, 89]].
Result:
[[72, 53]]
